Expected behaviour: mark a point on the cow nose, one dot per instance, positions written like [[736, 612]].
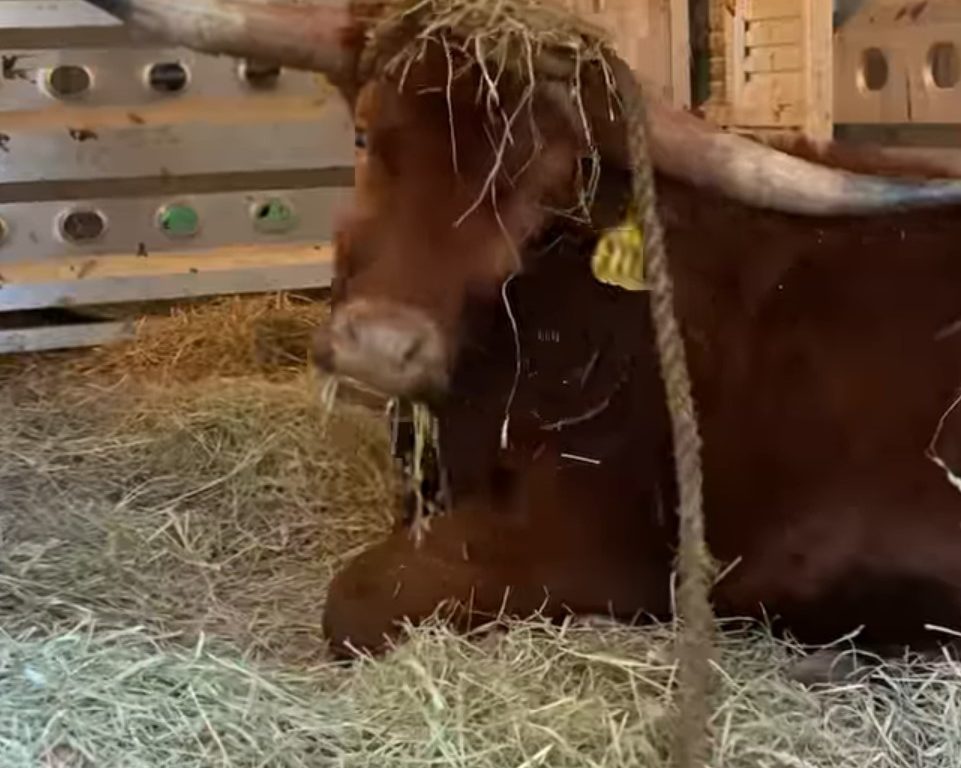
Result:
[[391, 347]]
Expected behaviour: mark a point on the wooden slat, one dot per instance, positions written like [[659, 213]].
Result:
[[226, 218], [786, 58], [773, 32], [119, 78], [770, 100], [48, 146], [771, 9], [48, 338], [818, 53], [681, 53], [764, 117], [118, 279]]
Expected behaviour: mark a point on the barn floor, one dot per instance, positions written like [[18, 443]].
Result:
[[170, 513]]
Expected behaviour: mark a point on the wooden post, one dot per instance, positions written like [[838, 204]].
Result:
[[776, 73], [819, 70], [718, 42], [652, 36], [681, 53]]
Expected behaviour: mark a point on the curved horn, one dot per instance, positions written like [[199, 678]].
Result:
[[323, 36], [872, 158], [688, 148]]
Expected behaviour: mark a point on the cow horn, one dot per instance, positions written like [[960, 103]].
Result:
[[686, 147], [323, 36]]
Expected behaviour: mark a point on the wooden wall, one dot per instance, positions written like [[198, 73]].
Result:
[[652, 36]]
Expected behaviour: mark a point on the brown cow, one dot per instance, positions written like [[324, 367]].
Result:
[[821, 310]]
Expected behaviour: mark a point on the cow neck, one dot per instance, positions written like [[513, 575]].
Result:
[[578, 351], [576, 359], [582, 375]]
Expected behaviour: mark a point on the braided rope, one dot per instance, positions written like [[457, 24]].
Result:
[[695, 566], [691, 742]]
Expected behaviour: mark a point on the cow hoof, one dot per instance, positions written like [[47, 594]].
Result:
[[386, 586]]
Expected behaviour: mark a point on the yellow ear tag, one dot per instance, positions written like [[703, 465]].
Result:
[[619, 257]]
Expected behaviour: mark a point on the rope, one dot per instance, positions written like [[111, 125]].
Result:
[[691, 742]]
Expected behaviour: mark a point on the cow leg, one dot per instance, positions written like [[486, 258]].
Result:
[[385, 585], [543, 556], [468, 565]]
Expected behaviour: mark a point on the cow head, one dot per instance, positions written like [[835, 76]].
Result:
[[453, 179], [449, 189]]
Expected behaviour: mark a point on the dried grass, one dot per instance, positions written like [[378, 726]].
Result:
[[508, 34], [166, 537], [522, 42]]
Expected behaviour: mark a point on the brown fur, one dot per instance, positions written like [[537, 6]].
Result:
[[822, 355]]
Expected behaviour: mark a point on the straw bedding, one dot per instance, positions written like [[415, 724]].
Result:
[[171, 511]]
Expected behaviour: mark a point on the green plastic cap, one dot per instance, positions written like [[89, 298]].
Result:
[[179, 220]]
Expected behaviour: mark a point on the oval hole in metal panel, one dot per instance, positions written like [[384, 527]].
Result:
[[168, 77], [873, 72], [944, 68], [69, 80], [83, 226], [260, 75], [273, 216]]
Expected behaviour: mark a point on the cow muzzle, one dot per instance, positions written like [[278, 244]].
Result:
[[393, 348]]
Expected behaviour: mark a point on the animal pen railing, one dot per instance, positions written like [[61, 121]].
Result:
[[883, 70], [131, 172]]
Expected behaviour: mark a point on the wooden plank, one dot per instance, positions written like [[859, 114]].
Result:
[[786, 58], [622, 19], [737, 77], [48, 338], [771, 9], [773, 32], [60, 24], [47, 148], [225, 219], [776, 90], [118, 279], [748, 117], [721, 26], [771, 100], [119, 79], [818, 70], [681, 53]]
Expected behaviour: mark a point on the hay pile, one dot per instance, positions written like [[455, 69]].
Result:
[[170, 513]]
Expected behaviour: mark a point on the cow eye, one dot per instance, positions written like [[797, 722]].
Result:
[[360, 139]]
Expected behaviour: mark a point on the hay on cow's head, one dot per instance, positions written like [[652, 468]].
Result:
[[502, 35], [527, 41]]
